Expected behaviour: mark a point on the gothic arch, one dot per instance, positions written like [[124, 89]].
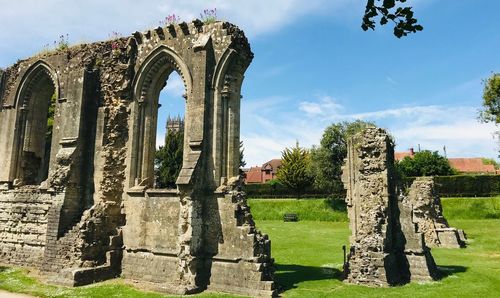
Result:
[[150, 80], [38, 71], [31, 150], [227, 83]]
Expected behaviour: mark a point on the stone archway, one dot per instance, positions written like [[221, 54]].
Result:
[[105, 216], [148, 84], [32, 152]]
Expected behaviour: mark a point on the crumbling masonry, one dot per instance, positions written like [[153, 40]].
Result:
[[81, 205], [386, 248], [428, 215]]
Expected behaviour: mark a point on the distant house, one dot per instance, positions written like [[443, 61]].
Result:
[[269, 169], [401, 155], [263, 173], [254, 175], [471, 166]]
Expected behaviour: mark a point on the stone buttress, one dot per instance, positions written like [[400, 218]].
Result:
[[385, 247]]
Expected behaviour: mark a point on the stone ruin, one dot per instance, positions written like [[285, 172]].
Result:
[[386, 246], [428, 215], [81, 205]]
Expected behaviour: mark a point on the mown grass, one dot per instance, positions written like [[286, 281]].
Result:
[[471, 208], [307, 209], [309, 256], [19, 281], [309, 262]]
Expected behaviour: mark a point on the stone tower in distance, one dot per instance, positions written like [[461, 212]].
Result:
[[175, 124]]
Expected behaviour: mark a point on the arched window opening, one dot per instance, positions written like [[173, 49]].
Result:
[[37, 110], [162, 72], [170, 133]]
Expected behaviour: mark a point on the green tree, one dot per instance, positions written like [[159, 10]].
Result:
[[328, 158], [168, 160], [390, 11], [491, 100], [295, 170], [274, 183], [425, 163]]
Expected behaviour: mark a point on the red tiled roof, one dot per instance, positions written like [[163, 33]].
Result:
[[400, 155], [274, 163], [471, 165], [254, 175]]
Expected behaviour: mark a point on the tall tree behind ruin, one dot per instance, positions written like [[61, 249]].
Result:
[[490, 112], [328, 158], [295, 170], [425, 163], [168, 159]]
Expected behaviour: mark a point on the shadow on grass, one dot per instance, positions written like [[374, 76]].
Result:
[[289, 276], [336, 204], [446, 271], [3, 268]]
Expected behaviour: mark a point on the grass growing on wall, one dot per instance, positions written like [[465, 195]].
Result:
[[307, 209]]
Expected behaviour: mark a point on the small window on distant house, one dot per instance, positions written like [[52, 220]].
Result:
[[268, 172]]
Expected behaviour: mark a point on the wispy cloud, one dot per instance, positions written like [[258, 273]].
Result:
[[29, 24], [323, 107], [430, 126], [391, 80]]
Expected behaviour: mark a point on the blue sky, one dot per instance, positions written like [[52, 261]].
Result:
[[313, 65]]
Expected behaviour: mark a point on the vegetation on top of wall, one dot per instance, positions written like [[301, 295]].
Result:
[[209, 16], [171, 19]]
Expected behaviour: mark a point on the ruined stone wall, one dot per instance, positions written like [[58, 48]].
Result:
[[23, 226], [242, 255], [427, 213], [151, 236], [385, 247], [105, 218]]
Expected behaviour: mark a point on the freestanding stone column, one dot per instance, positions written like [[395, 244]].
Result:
[[385, 248], [428, 214]]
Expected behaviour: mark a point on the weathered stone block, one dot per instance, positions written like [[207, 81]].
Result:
[[386, 249]]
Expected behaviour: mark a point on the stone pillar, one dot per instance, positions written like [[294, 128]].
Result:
[[379, 253], [428, 215], [233, 140]]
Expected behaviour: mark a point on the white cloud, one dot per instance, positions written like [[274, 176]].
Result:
[[325, 107], [175, 86], [27, 25], [266, 132]]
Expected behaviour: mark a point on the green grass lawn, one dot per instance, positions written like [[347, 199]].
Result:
[[307, 209], [309, 256]]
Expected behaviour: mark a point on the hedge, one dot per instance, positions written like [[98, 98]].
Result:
[[466, 185], [446, 186], [281, 191]]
